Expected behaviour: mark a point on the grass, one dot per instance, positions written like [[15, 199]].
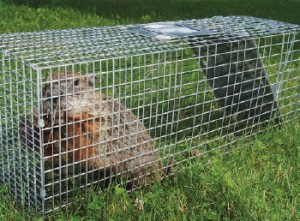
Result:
[[32, 15], [259, 180]]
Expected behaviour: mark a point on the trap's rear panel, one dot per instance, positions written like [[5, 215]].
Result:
[[170, 91]]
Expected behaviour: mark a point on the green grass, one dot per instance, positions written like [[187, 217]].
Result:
[[259, 180], [32, 15]]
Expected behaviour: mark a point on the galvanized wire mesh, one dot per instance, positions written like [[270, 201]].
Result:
[[87, 106]]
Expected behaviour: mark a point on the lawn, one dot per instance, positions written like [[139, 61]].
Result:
[[258, 180]]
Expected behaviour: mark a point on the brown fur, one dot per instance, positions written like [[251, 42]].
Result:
[[91, 128]]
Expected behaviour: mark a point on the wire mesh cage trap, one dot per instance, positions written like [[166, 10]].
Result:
[[83, 107]]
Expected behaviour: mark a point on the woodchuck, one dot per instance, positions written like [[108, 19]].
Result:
[[82, 125]]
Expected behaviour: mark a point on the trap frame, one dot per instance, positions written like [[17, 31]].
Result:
[[193, 86]]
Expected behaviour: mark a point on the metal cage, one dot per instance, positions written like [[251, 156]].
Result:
[[85, 107]]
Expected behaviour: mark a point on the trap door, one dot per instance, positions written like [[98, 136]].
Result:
[[237, 76]]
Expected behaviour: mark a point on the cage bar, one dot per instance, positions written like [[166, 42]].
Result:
[[85, 107]]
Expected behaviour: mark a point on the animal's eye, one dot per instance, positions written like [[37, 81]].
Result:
[[76, 82]]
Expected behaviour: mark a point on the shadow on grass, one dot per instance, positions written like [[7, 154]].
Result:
[[143, 10]]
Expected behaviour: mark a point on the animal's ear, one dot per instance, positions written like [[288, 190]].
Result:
[[49, 77]]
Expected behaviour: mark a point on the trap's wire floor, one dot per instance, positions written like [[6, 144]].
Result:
[[81, 107]]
